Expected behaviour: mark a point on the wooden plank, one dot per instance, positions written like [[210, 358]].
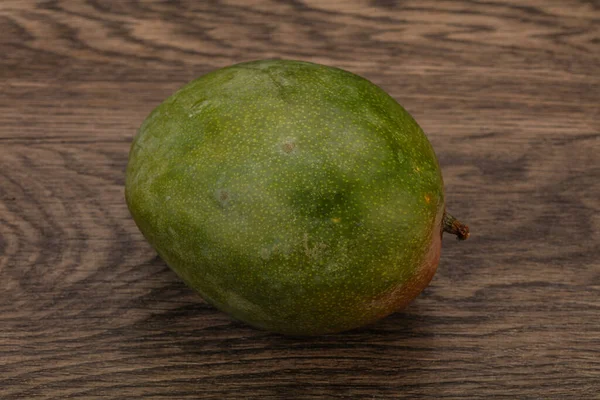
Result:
[[509, 94]]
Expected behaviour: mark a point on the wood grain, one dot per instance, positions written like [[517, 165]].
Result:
[[509, 94]]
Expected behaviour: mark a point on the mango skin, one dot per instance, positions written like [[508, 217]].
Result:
[[298, 198]]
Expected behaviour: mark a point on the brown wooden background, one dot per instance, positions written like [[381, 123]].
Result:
[[509, 94]]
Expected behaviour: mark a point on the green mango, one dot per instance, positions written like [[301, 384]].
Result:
[[296, 197]]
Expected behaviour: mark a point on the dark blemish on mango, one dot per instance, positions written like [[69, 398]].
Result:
[[288, 147], [223, 197]]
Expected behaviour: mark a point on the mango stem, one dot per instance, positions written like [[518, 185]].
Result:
[[455, 227]]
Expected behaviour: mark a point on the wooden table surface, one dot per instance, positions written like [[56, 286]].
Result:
[[509, 95]]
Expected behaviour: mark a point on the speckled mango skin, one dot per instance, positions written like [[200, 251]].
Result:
[[299, 198]]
